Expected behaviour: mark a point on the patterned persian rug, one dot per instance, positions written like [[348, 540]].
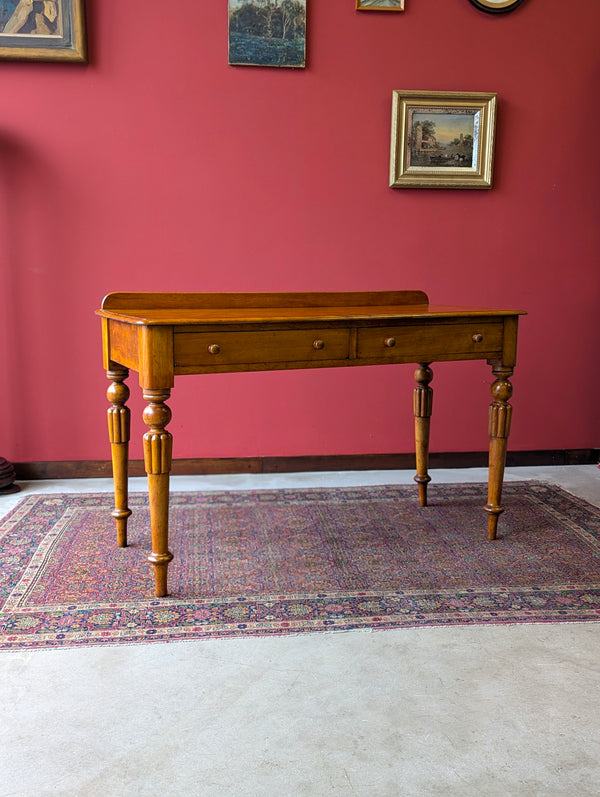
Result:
[[270, 562]]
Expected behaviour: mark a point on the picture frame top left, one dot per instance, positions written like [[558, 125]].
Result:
[[43, 30]]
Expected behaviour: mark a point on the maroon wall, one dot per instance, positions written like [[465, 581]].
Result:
[[160, 167]]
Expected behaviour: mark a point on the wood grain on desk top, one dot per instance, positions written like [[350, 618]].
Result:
[[213, 308]]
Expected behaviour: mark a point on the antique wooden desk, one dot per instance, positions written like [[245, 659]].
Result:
[[163, 335]]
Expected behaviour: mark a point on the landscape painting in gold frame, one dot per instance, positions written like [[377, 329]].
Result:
[[53, 30], [380, 5], [442, 139]]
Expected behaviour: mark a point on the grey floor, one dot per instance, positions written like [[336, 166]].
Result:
[[507, 710]]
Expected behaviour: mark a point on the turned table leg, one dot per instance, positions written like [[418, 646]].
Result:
[[118, 432], [499, 429], [158, 444], [423, 403]]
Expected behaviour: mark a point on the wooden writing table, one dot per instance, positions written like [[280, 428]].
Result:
[[163, 335]]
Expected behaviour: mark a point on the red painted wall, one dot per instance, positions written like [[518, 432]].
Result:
[[160, 167]]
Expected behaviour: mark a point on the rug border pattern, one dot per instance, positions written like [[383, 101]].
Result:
[[168, 620]]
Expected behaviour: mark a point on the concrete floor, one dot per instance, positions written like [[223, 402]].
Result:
[[510, 710]]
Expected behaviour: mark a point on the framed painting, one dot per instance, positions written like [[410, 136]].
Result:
[[43, 30], [267, 33], [380, 5], [442, 139]]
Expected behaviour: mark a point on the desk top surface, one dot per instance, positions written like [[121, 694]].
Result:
[[149, 309]]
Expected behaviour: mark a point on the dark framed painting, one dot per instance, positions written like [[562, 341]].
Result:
[[380, 5], [267, 33], [43, 30], [442, 139]]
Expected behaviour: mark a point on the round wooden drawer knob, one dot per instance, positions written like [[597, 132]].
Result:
[[477, 338], [389, 343], [318, 344], [214, 348]]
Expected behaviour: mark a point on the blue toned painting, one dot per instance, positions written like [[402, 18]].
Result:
[[267, 32], [30, 18], [7, 8]]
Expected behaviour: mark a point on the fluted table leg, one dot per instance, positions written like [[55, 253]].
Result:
[[158, 444], [499, 429], [118, 432], [423, 404]]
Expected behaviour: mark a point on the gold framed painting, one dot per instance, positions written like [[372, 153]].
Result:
[[380, 5], [442, 139], [43, 30]]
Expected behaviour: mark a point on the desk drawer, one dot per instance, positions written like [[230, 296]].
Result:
[[433, 342], [204, 349]]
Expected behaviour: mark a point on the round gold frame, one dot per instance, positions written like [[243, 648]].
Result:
[[496, 6]]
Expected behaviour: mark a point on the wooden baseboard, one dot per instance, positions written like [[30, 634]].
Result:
[[27, 471]]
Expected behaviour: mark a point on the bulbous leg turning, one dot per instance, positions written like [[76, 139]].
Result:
[[500, 413]]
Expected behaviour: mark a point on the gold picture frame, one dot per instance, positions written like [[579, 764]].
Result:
[[52, 31], [380, 5], [496, 6], [442, 139]]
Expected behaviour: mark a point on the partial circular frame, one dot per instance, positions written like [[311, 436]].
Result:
[[496, 6]]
